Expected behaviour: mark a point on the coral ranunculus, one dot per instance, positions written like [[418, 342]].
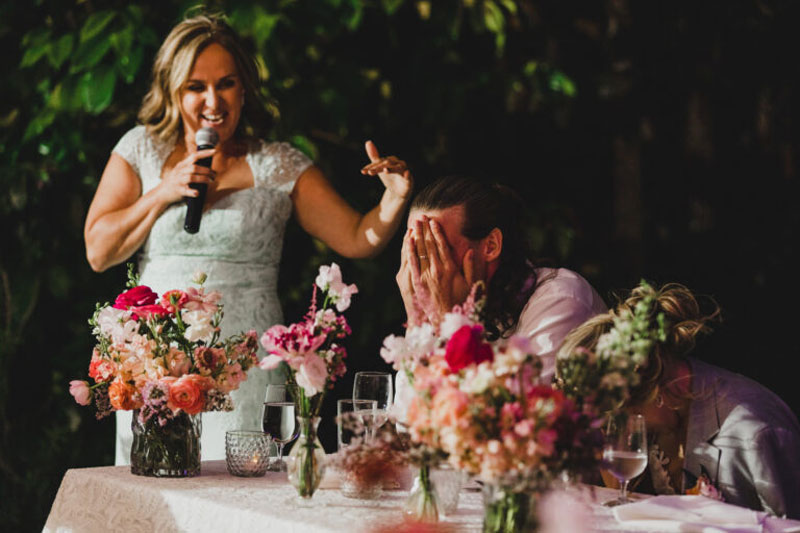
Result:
[[122, 396], [136, 297], [80, 391], [187, 393], [467, 347]]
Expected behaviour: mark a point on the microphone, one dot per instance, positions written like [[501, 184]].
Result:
[[205, 139]]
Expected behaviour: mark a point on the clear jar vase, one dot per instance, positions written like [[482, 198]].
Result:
[[361, 487], [509, 511], [306, 462], [422, 504], [171, 450]]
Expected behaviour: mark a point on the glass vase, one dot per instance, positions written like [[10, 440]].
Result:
[[306, 463], [422, 504], [509, 511], [171, 450], [357, 485]]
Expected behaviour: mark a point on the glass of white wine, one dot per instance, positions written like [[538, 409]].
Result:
[[625, 452]]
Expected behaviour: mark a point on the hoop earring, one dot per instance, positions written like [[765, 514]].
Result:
[[659, 401]]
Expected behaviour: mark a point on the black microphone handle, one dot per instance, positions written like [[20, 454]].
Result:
[[194, 206]]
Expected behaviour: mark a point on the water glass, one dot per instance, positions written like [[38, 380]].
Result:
[[375, 386], [365, 409], [625, 452], [247, 452], [448, 482]]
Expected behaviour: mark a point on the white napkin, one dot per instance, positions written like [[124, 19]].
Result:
[[699, 514]]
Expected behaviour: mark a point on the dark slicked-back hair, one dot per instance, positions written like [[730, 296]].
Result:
[[488, 206]]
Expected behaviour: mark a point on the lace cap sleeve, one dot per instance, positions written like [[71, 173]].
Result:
[[278, 165], [130, 147]]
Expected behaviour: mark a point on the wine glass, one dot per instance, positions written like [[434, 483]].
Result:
[[625, 452], [278, 422], [276, 393], [375, 386]]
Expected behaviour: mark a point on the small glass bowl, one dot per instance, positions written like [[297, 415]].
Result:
[[247, 452]]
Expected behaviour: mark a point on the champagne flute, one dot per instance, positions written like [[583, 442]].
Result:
[[625, 452], [278, 422], [375, 386]]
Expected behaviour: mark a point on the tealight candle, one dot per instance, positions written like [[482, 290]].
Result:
[[247, 452]]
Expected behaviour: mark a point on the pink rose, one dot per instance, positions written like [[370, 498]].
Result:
[[135, 297], [466, 347], [187, 393], [80, 391]]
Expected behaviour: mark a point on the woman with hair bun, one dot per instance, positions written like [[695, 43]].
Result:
[[204, 78], [707, 425]]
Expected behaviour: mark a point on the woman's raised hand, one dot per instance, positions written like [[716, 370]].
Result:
[[392, 171], [174, 185]]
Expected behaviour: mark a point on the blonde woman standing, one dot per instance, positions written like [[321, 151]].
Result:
[[203, 78]]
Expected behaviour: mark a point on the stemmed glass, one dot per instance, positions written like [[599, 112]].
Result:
[[625, 452], [279, 422], [375, 386]]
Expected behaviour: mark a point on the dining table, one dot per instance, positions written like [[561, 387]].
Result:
[[110, 498]]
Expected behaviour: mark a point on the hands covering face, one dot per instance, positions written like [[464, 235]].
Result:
[[430, 278]]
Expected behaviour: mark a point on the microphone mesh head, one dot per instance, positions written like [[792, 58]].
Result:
[[206, 137]]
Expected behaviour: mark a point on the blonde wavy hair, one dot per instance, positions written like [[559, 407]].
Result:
[[160, 110], [684, 321]]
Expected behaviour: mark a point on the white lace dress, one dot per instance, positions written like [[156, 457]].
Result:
[[238, 245]]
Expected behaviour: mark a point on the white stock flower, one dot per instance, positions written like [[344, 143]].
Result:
[[200, 327], [451, 323], [117, 324]]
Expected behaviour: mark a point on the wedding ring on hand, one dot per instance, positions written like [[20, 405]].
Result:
[[423, 256]]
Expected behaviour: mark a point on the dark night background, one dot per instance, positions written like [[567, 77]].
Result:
[[650, 139]]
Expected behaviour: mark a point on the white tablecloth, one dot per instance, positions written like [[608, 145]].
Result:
[[112, 499]]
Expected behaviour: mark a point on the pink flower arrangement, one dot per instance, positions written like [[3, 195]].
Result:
[[163, 355], [482, 405], [311, 348]]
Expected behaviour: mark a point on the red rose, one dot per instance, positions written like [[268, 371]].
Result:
[[466, 347], [148, 311], [135, 297]]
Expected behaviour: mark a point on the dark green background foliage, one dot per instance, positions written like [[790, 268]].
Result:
[[654, 140]]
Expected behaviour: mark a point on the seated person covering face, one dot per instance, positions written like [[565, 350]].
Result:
[[461, 231], [706, 421]]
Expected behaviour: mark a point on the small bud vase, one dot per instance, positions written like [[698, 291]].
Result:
[[422, 504], [306, 462], [171, 450], [509, 511]]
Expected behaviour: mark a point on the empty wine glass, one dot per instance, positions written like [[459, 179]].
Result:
[[279, 422], [625, 452], [375, 386]]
